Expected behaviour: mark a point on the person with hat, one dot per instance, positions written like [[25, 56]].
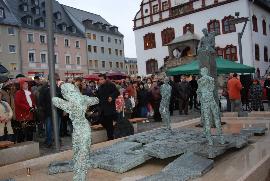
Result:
[[24, 110]]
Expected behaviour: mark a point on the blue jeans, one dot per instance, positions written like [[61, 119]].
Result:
[[49, 129], [143, 112]]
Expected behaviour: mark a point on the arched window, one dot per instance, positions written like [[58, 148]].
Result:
[[188, 27], [151, 66], [254, 23], [220, 51], [257, 52], [265, 54], [214, 26], [264, 26], [149, 41], [167, 35], [230, 52], [226, 26]]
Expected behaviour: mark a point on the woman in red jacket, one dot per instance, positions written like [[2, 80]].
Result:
[[24, 110]]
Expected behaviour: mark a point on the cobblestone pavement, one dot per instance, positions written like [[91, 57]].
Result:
[[142, 127]]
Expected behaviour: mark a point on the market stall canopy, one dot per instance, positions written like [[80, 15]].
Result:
[[224, 66]]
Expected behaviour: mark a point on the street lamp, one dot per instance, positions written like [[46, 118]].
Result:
[[235, 21]]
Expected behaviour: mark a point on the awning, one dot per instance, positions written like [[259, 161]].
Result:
[[224, 66]]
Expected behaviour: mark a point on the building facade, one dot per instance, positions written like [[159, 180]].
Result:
[[105, 44], [159, 22], [9, 40], [70, 44], [131, 66]]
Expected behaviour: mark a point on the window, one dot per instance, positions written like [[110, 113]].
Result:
[[78, 60], [43, 57], [89, 48], [2, 13], [67, 60], [30, 38], [264, 26], [230, 52], [89, 35], [96, 63], [167, 35], [110, 51], [102, 50], [56, 58], [257, 52], [149, 41], [265, 54], [73, 29], [121, 65], [188, 27], [120, 42], [165, 5], [254, 23], [116, 52], [146, 11], [103, 64], [29, 20], [117, 64], [219, 52], [42, 39], [95, 49], [13, 66], [77, 44], [90, 63], [31, 57], [55, 40], [115, 40], [155, 8], [66, 42], [25, 8], [151, 66], [64, 27], [41, 23], [12, 48], [109, 39], [226, 26], [102, 38], [214, 26], [121, 53], [58, 16], [11, 30], [94, 36], [110, 64], [36, 11]]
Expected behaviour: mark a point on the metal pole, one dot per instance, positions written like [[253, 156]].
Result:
[[240, 47], [51, 65]]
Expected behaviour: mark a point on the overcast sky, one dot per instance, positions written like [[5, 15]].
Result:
[[117, 12]]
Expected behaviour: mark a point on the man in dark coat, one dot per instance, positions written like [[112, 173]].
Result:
[[267, 87], [183, 92], [193, 94], [107, 93]]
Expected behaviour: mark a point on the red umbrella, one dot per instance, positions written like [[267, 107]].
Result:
[[93, 77], [116, 75]]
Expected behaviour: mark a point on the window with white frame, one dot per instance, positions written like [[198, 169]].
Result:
[[25, 8], [30, 37], [67, 60], [12, 48], [42, 39], [41, 23], [31, 56], [43, 57], [103, 64], [78, 60], [58, 16], [64, 27], [77, 44], [2, 13], [11, 30], [66, 42], [29, 20], [56, 58]]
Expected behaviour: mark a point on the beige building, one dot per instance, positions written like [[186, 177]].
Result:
[[131, 66]]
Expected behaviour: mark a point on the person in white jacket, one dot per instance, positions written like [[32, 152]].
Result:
[[6, 113]]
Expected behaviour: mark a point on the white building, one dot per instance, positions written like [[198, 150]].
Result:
[[158, 22]]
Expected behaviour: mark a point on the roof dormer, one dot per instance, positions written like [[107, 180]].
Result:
[[73, 29], [57, 15], [28, 19], [63, 26], [35, 2], [36, 10], [98, 25], [2, 13], [40, 22], [114, 29], [24, 7]]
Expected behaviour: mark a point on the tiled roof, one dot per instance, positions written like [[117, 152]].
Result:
[[15, 7], [265, 4], [9, 18]]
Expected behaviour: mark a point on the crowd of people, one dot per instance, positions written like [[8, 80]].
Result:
[[25, 106]]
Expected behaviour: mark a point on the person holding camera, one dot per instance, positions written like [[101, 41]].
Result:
[[6, 131], [24, 110]]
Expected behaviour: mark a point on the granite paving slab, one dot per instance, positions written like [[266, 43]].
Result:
[[254, 130], [60, 167]]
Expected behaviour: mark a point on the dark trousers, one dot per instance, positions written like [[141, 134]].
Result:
[[193, 101], [183, 105], [23, 131], [107, 123], [157, 115]]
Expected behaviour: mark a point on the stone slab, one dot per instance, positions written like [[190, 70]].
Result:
[[187, 166], [19, 152], [254, 130], [60, 167]]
